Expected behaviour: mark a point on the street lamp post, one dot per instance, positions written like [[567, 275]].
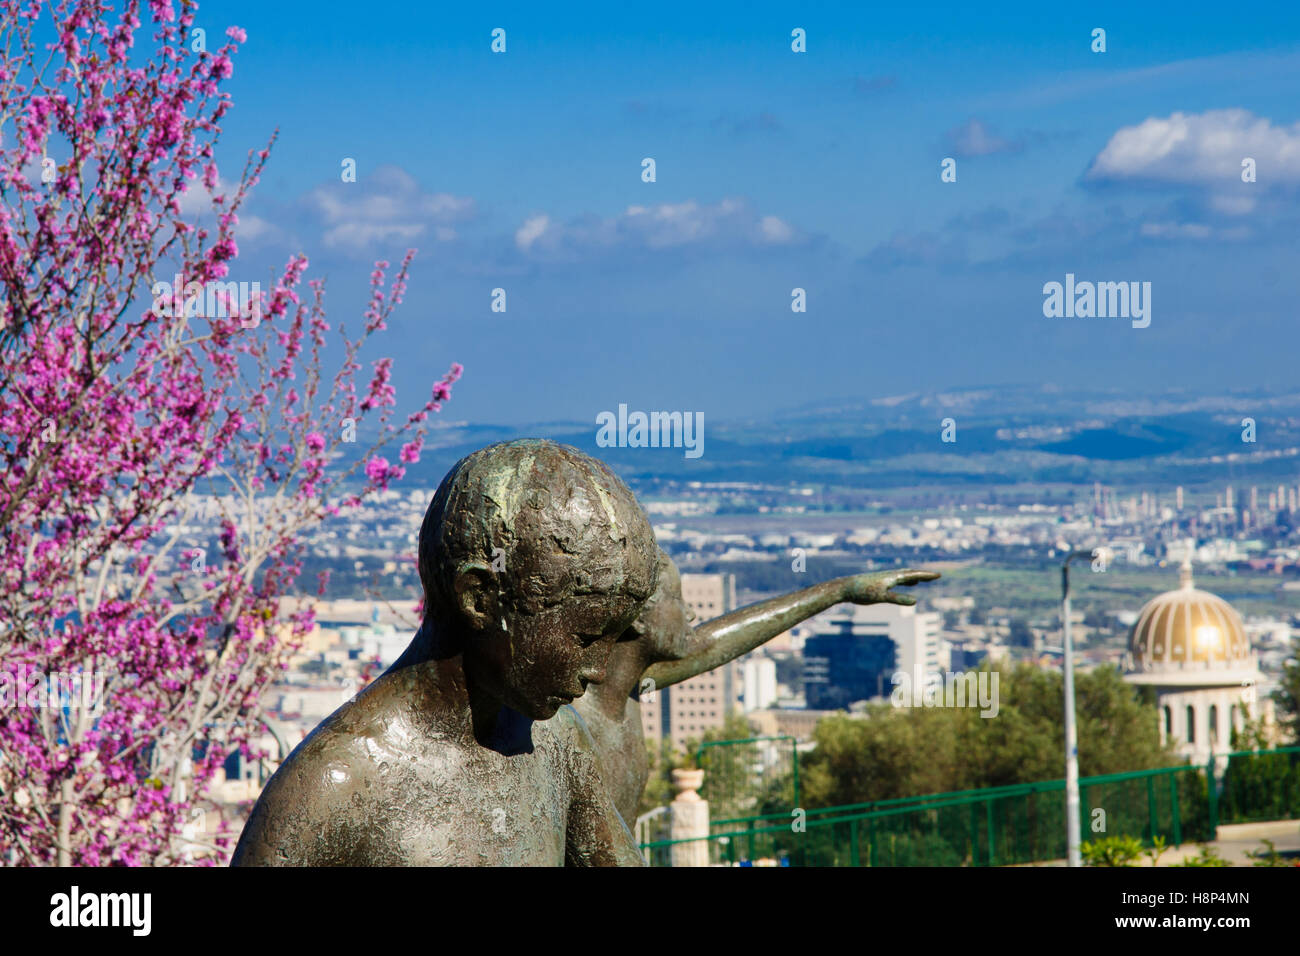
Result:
[[1071, 734]]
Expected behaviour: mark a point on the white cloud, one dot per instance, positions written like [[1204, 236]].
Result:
[[775, 230], [195, 200], [974, 138], [387, 204], [1232, 205], [530, 231], [1193, 230], [360, 234], [729, 222], [196, 203], [253, 228], [1176, 230], [1201, 149]]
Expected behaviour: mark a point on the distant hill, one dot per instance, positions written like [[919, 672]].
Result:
[[1005, 435]]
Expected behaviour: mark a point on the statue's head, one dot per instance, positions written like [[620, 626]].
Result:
[[539, 557], [665, 621]]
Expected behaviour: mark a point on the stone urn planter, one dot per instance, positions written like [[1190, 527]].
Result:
[[690, 819], [686, 781]]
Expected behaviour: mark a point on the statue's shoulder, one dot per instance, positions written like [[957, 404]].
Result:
[[573, 740], [342, 747], [357, 775]]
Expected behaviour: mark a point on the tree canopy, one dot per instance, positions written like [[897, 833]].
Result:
[[901, 752]]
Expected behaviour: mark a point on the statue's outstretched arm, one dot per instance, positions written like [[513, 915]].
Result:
[[715, 642]]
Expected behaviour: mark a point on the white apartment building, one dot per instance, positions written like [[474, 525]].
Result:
[[686, 710]]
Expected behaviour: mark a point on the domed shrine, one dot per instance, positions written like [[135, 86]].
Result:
[[1191, 647]]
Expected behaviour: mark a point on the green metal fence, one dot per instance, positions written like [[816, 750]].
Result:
[[1021, 823], [1260, 785], [739, 775]]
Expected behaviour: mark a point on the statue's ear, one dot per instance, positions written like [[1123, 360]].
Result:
[[476, 594]]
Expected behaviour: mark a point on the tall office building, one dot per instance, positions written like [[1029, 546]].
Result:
[[839, 669], [686, 710], [844, 651]]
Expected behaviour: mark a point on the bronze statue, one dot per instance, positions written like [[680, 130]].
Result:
[[664, 649], [534, 559]]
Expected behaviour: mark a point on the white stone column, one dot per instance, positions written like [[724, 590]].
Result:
[[690, 818]]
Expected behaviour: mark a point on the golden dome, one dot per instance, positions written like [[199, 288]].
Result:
[[1185, 627]]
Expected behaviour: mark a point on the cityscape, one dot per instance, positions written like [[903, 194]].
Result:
[[739, 543]]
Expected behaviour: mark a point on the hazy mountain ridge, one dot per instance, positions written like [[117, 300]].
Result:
[[1003, 435]]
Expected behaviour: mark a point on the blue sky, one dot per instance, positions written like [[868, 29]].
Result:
[[776, 170]]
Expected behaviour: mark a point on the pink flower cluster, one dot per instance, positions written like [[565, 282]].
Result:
[[112, 418]]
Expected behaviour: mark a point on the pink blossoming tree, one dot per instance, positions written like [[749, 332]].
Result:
[[117, 406]]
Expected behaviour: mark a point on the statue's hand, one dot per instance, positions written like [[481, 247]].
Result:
[[874, 588]]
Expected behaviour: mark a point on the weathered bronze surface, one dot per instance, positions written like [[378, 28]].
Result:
[[664, 649], [535, 558], [541, 577]]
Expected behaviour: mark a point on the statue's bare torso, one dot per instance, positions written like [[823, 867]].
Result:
[[374, 785], [625, 763]]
